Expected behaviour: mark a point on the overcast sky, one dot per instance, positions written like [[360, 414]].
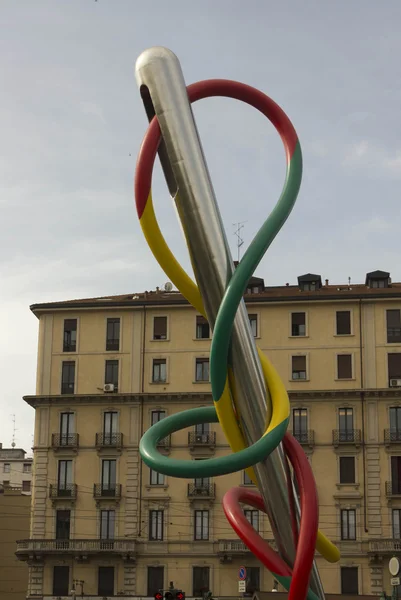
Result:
[[71, 123]]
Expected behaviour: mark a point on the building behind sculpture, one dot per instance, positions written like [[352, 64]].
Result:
[[15, 468], [108, 368]]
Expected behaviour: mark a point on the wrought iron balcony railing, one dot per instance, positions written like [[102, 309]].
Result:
[[393, 488], [102, 490], [109, 440], [201, 490], [346, 436], [202, 439], [65, 440], [392, 436], [165, 442], [305, 438], [63, 491]]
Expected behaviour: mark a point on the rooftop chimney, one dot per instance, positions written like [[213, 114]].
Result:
[[326, 281]]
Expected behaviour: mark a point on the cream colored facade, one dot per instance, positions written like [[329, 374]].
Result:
[[15, 469], [97, 508]]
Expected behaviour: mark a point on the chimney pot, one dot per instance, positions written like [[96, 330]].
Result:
[[327, 281]]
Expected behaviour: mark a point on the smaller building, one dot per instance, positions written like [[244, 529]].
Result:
[[15, 469], [15, 509]]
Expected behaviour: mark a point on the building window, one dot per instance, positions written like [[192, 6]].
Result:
[[110, 428], [396, 475], [396, 522], [6, 483], [156, 521], [253, 321], [300, 424], [107, 524], [298, 324], [105, 581], [63, 524], [113, 335], [299, 368], [393, 326], [252, 580], [394, 366], [111, 373], [159, 370], [160, 328], [346, 424], [27, 468], [64, 480], [68, 377], [157, 416], [26, 486], [343, 322], [247, 479], [61, 581], [109, 475], [347, 469], [67, 428], [395, 423], [6, 468], [202, 328], [252, 517], [70, 335], [202, 369], [155, 580], [201, 525], [344, 366], [200, 580], [156, 478], [348, 524], [349, 580]]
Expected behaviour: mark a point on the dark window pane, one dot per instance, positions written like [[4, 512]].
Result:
[[113, 334], [298, 321], [159, 371], [253, 320], [344, 366], [200, 580], [343, 319], [347, 469], [202, 369], [202, 328], [111, 373], [396, 521], [252, 579], [63, 521], [105, 581], [396, 474], [160, 328], [348, 524], [61, 581], [67, 377], [395, 419], [201, 522], [155, 580], [349, 580], [299, 367], [394, 365], [156, 522], [300, 424], [70, 335]]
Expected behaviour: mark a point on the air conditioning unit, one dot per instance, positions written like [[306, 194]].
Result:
[[395, 382], [108, 387]]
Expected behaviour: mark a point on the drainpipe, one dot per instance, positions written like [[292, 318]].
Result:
[[365, 517], [141, 421]]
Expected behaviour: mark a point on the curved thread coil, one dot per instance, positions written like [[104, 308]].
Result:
[[222, 377]]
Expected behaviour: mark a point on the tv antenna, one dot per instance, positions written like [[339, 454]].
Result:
[[237, 232], [14, 430]]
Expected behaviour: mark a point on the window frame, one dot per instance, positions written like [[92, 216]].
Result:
[[340, 458], [351, 323], [352, 357], [200, 325], [107, 364], [256, 319], [203, 360], [159, 527], [297, 355], [344, 568], [113, 321], [346, 533], [70, 386], [158, 361], [167, 338], [65, 344], [200, 535], [306, 324]]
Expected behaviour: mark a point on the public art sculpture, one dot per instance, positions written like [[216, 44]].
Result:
[[250, 401]]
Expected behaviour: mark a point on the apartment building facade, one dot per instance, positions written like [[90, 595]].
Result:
[[104, 525], [15, 468]]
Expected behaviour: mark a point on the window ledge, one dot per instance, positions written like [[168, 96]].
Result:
[[295, 337], [200, 382], [152, 340], [299, 380], [345, 379], [341, 335], [156, 487], [158, 382], [354, 485]]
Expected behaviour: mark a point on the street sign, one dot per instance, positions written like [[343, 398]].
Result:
[[394, 566], [242, 573], [395, 581], [242, 586]]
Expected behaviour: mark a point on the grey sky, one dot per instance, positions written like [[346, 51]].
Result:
[[71, 116]]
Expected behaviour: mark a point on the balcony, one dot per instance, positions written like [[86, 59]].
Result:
[[392, 436], [164, 444], [103, 491], [65, 441], [203, 491], [383, 546], [67, 491], [346, 437], [305, 438], [109, 441], [229, 549], [393, 488], [36, 549], [202, 442]]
